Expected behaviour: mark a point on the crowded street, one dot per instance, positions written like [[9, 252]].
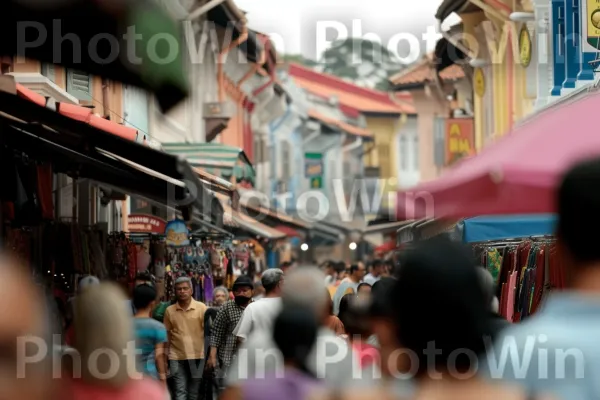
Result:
[[332, 200]]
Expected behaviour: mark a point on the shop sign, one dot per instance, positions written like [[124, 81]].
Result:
[[459, 139], [313, 165], [316, 182], [146, 224], [479, 82], [590, 25], [177, 233], [525, 46]]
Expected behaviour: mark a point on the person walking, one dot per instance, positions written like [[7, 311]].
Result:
[[260, 314], [223, 342], [357, 273], [377, 269], [150, 335], [184, 322]]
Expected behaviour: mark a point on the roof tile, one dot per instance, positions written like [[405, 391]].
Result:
[[351, 129]]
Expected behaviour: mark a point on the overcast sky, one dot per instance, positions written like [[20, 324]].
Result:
[[293, 24]]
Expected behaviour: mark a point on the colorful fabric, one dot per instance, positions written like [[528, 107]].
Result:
[[494, 263]]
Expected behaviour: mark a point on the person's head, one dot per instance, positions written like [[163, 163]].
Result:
[[357, 272], [243, 290], [304, 288], [87, 282], [459, 319], [272, 281], [144, 297], [381, 314], [329, 268], [354, 315], [576, 198], [295, 333], [220, 296], [340, 270], [144, 278], [364, 290], [388, 268], [183, 288], [285, 266], [489, 288], [103, 324], [29, 318], [377, 267]]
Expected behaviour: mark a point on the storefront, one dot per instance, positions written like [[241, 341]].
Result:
[[41, 142]]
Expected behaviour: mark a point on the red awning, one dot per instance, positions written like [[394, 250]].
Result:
[[386, 247], [289, 232], [80, 113], [517, 175]]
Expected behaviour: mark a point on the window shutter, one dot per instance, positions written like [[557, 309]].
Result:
[[439, 146], [48, 71], [79, 84]]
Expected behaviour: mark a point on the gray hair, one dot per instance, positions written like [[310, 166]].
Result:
[[271, 277], [183, 279], [304, 287], [222, 289]]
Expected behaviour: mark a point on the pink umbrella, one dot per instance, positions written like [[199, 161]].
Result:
[[516, 175]]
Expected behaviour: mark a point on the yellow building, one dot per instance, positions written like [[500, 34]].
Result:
[[502, 54]]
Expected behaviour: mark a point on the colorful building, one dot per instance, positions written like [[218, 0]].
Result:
[[442, 93], [382, 114]]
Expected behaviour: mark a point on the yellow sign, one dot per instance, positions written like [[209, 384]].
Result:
[[479, 82], [525, 46], [593, 11], [459, 138]]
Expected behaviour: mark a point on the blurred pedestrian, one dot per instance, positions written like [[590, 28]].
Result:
[[357, 273], [333, 322], [220, 296], [376, 270], [294, 333], [497, 322], [260, 314], [150, 335], [28, 316], [568, 322], [303, 289], [104, 326], [184, 321], [364, 290]]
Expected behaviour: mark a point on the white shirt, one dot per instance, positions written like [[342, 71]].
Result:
[[370, 279], [259, 315]]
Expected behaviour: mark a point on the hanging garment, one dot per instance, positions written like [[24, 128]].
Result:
[[143, 260], [494, 263], [208, 287], [44, 191]]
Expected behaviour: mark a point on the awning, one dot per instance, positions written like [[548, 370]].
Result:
[[388, 246], [240, 221], [340, 125], [263, 213], [153, 64], [289, 232], [480, 229], [215, 158], [454, 6], [517, 175], [88, 150]]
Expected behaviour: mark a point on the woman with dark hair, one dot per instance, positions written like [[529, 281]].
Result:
[[294, 333], [333, 322], [364, 290]]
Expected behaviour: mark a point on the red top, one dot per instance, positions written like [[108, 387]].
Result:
[[367, 354]]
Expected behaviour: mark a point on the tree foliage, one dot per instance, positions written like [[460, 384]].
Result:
[[363, 62]]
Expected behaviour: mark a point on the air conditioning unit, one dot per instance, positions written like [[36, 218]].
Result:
[[218, 110]]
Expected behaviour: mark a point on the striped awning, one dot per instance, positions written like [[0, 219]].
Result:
[[215, 158], [239, 220]]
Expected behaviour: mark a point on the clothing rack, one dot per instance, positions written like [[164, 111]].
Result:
[[525, 271]]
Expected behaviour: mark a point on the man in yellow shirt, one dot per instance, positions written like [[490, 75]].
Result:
[[184, 322]]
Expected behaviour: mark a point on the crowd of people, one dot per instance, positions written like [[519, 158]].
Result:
[[423, 327]]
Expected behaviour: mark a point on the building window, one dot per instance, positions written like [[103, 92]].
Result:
[[79, 84], [415, 152], [439, 146], [49, 71], [403, 153]]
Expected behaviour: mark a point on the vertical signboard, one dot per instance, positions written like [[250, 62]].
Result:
[[459, 139]]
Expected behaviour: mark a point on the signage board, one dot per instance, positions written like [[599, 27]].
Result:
[[459, 139], [316, 182], [177, 233], [143, 223], [313, 165], [590, 26], [479, 82]]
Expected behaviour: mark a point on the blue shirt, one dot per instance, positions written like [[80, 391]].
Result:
[[555, 352], [148, 333]]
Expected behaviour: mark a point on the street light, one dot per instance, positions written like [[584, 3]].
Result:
[[304, 247], [352, 246]]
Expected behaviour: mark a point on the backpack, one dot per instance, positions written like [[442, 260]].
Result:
[[159, 312]]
